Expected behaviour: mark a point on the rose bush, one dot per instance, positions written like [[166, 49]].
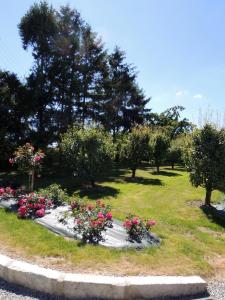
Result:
[[7, 192], [33, 206], [28, 161], [137, 228], [91, 220]]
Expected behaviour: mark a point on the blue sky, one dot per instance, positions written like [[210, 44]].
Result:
[[178, 46]]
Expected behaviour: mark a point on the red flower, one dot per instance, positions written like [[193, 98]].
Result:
[[42, 200], [37, 158], [151, 223], [22, 211], [109, 216], [127, 224], [40, 213], [22, 201], [2, 191], [135, 221], [90, 207], [100, 215]]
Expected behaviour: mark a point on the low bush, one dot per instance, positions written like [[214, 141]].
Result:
[[55, 193], [137, 228], [33, 206]]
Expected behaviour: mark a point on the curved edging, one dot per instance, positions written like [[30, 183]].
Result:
[[84, 286]]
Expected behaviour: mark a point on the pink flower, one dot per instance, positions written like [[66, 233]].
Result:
[[40, 213], [109, 216], [100, 215], [2, 191], [37, 158], [127, 224], [42, 200], [22, 201], [11, 161], [135, 221], [31, 205], [22, 211], [151, 223], [90, 207]]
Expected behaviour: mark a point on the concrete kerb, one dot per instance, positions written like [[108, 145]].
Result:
[[85, 286]]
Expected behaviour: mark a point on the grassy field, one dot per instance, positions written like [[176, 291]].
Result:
[[192, 243]]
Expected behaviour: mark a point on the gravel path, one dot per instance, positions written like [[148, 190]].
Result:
[[13, 292]]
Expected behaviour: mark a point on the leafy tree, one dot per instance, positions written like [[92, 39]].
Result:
[[206, 161], [14, 111], [159, 145], [37, 30], [171, 119], [88, 151], [134, 147], [125, 103], [175, 152]]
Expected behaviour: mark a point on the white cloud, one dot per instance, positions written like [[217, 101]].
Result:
[[181, 93], [198, 96]]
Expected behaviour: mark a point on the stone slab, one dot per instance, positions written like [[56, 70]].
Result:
[[87, 286]]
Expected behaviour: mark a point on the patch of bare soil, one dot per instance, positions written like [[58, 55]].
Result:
[[195, 203]]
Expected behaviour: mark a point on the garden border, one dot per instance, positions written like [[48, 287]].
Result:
[[85, 286]]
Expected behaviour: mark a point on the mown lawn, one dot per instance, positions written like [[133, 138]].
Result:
[[192, 243]]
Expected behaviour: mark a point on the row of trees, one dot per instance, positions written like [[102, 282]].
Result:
[[73, 80], [90, 150]]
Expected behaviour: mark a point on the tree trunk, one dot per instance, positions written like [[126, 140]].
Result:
[[208, 197], [133, 173], [157, 167], [172, 166], [93, 183]]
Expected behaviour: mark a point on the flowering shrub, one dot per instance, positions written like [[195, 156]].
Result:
[[32, 205], [55, 193], [7, 192], [91, 220], [28, 161], [137, 228]]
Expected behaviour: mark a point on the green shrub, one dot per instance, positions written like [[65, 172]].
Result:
[[55, 193]]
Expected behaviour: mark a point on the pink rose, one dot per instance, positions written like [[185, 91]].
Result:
[[151, 223], [100, 215], [40, 213], [42, 200], [11, 161], [109, 216], [22, 211], [37, 158], [127, 224], [22, 201], [2, 191], [135, 221]]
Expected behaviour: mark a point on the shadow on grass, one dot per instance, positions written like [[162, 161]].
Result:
[[176, 168], [97, 192], [213, 214], [142, 180], [165, 173]]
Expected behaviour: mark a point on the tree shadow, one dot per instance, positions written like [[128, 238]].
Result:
[[176, 168], [165, 173], [213, 214], [97, 192], [142, 180]]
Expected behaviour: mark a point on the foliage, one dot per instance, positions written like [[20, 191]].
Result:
[[159, 144], [206, 162], [28, 161], [55, 193], [134, 147], [175, 152], [91, 220], [137, 228], [33, 206], [88, 151]]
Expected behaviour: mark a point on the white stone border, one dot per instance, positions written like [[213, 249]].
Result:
[[84, 286]]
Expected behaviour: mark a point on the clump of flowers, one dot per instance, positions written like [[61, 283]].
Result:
[[137, 228], [7, 192], [28, 160], [33, 206], [91, 220]]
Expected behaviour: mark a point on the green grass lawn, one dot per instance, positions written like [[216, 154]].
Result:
[[192, 243]]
